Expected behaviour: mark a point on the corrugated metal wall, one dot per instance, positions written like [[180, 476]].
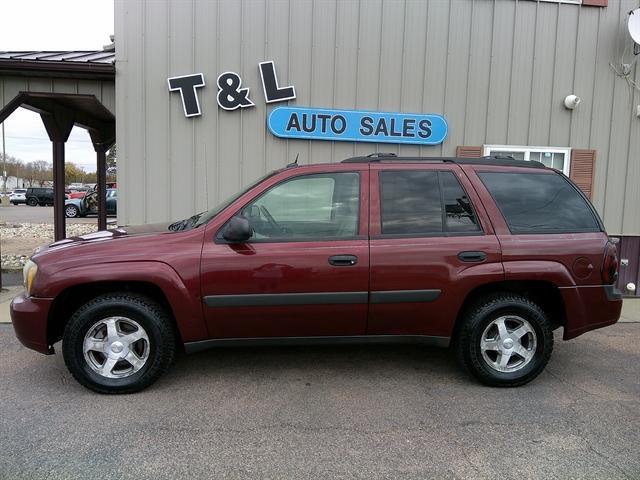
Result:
[[497, 69], [104, 91]]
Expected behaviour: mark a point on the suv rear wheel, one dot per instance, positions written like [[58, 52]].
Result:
[[505, 340], [119, 343], [32, 201]]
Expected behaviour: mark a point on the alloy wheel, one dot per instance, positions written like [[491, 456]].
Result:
[[116, 347], [508, 343]]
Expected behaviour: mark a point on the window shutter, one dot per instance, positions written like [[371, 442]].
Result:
[[469, 152], [582, 168], [595, 3]]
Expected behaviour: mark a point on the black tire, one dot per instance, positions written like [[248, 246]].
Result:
[[32, 202], [478, 318], [14, 203], [68, 211], [147, 313]]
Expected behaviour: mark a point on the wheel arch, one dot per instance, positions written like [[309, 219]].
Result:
[[73, 297], [70, 288], [544, 293]]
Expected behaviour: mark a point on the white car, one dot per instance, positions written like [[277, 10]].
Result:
[[18, 196]]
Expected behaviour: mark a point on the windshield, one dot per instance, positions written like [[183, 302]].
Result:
[[201, 218]]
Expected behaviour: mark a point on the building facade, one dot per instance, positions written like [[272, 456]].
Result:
[[498, 71]]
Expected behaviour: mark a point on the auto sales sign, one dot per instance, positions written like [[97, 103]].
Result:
[[307, 123]]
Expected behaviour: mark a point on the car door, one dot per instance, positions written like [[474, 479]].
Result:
[[112, 202], [431, 243], [305, 271]]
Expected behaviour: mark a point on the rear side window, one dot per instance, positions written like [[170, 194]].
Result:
[[539, 203], [420, 202]]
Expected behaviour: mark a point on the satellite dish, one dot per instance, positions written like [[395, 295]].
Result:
[[634, 25]]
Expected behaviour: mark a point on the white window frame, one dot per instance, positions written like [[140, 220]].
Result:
[[493, 149], [574, 2]]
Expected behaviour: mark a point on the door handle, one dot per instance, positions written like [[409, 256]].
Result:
[[472, 256], [343, 260]]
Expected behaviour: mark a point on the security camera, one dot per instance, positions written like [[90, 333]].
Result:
[[571, 101]]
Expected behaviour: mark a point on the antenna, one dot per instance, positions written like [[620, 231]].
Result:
[[633, 24], [295, 162]]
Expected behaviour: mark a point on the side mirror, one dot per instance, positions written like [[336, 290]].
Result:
[[237, 230]]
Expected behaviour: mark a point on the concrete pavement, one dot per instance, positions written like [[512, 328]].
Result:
[[316, 413]]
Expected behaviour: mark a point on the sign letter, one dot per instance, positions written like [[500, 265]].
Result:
[[272, 91], [186, 85]]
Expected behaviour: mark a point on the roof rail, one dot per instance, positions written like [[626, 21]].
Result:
[[497, 160], [381, 154]]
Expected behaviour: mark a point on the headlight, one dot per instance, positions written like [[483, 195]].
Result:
[[28, 274]]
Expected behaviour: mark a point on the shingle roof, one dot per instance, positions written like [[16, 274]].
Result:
[[83, 56]]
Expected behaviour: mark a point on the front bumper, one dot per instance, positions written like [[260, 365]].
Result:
[[29, 316]]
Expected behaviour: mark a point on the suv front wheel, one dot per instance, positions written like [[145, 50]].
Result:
[[119, 343], [505, 340]]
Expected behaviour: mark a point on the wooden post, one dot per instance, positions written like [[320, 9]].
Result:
[[59, 223], [58, 124], [101, 187]]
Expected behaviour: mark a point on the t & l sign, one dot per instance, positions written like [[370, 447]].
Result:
[[312, 123], [231, 95]]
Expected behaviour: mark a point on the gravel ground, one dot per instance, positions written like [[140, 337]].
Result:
[[20, 239]]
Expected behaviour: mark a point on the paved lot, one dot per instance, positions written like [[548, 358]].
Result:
[[25, 214], [349, 412]]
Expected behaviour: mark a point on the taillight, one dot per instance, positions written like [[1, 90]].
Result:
[[610, 264]]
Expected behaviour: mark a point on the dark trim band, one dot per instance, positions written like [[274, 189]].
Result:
[[191, 347], [321, 298], [404, 296], [274, 299]]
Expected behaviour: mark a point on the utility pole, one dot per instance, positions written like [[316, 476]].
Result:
[[4, 162]]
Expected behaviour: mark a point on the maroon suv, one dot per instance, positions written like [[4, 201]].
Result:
[[489, 255]]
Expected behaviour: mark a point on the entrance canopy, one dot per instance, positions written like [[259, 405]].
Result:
[[60, 112]]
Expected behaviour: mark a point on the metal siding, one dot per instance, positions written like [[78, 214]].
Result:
[[413, 66], [433, 90], [498, 70], [157, 148], [542, 76], [500, 75], [477, 95], [521, 72]]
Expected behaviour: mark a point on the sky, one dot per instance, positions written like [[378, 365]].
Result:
[[58, 25]]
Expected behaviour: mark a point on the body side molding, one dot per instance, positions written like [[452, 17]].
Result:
[[320, 298], [192, 347]]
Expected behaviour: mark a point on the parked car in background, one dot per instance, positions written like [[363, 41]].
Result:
[[487, 255], [88, 205], [18, 196], [39, 196], [79, 192]]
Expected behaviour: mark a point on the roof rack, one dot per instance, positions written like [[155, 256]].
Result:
[[499, 160]]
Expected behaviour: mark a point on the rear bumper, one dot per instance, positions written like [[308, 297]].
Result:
[[29, 317], [590, 307]]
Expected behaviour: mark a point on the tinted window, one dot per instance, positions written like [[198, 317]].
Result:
[[539, 203], [460, 215], [410, 202], [307, 207]]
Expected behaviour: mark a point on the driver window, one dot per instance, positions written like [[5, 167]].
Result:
[[307, 207]]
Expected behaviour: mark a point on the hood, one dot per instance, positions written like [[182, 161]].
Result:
[[128, 231]]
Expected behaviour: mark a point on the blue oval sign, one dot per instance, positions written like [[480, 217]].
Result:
[[357, 126]]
